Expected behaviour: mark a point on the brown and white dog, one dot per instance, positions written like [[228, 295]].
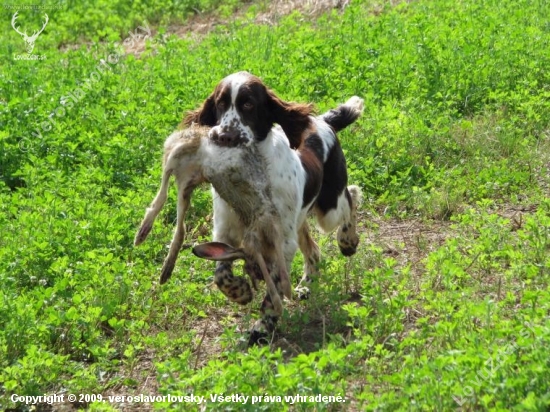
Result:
[[305, 166]]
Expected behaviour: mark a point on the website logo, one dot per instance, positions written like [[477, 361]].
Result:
[[29, 40]]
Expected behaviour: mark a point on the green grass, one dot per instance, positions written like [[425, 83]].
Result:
[[455, 136]]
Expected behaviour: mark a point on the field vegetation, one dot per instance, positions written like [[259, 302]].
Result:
[[446, 304]]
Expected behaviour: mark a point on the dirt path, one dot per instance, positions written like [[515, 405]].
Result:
[[269, 13]]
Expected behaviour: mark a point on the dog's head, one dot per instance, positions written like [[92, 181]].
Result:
[[242, 110]]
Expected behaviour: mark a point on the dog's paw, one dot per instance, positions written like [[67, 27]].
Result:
[[302, 292], [236, 288], [258, 335], [257, 338]]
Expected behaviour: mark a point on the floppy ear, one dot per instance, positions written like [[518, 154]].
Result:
[[293, 117], [218, 251], [203, 116]]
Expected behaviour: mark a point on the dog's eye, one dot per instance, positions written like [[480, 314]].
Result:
[[248, 106], [221, 105]]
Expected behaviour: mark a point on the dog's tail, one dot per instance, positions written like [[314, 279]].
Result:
[[345, 114]]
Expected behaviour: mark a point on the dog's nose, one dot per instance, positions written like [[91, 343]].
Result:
[[228, 137], [225, 137]]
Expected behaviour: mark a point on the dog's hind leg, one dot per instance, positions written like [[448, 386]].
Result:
[[312, 256]]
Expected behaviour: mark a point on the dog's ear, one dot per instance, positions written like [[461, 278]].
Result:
[[203, 116], [218, 251], [293, 117]]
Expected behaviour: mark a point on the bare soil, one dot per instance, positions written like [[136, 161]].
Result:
[[270, 13]]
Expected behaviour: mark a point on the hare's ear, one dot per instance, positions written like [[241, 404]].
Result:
[[218, 251]]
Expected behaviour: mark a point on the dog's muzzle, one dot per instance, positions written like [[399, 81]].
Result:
[[226, 137]]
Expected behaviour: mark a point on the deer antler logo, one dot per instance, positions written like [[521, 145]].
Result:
[[30, 40]]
